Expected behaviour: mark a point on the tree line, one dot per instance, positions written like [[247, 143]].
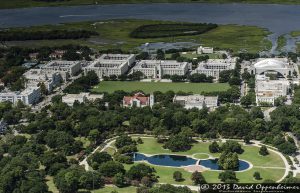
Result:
[[20, 35]]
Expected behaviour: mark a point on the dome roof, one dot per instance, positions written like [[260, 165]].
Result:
[[270, 64]]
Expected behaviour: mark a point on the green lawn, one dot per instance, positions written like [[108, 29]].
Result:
[[150, 146], [84, 140], [150, 87], [5, 4], [115, 34], [109, 189]]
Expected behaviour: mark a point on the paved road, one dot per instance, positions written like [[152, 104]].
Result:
[[297, 166], [267, 113], [57, 91]]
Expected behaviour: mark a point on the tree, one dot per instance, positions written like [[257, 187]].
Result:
[[232, 146], [111, 168], [137, 172], [94, 135], [160, 55], [200, 125], [119, 180], [139, 140], [43, 88], [246, 100], [91, 180], [178, 142], [67, 181], [247, 139], [228, 176], [167, 188], [214, 147], [146, 181], [96, 159], [287, 148], [256, 176], [263, 151], [198, 178], [177, 176], [228, 161], [124, 140]]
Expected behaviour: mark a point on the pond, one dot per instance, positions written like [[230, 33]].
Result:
[[166, 160], [181, 160]]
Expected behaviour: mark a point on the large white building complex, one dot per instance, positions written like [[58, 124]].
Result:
[[28, 96], [111, 64], [66, 69], [69, 99], [34, 77], [278, 66], [196, 101], [205, 50], [213, 67], [157, 68], [268, 90]]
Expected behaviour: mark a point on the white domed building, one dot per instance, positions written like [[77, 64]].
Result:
[[279, 66]]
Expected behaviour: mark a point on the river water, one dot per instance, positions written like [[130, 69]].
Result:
[[279, 19]]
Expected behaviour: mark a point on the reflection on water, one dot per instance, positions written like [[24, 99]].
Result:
[[180, 160]]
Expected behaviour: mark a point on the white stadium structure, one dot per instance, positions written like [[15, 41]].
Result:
[[281, 66]]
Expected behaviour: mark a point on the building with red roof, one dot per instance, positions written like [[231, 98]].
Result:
[[138, 100]]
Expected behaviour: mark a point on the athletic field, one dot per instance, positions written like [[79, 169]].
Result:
[[150, 87]]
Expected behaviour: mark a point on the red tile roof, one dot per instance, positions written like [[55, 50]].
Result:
[[138, 96]]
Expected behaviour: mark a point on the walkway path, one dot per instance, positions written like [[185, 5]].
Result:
[[108, 143]]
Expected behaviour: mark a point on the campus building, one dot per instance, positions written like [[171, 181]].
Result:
[[213, 67], [157, 68], [268, 90], [138, 100], [66, 69], [111, 64], [28, 96], [83, 97], [34, 77], [277, 66], [205, 50], [196, 101]]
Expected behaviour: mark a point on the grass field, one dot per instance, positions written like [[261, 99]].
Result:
[[116, 34], [150, 146], [295, 33], [109, 189], [150, 87], [5, 4]]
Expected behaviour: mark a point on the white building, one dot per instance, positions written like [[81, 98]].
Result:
[[29, 96], [205, 50], [111, 64], [279, 66], [157, 68], [138, 100], [268, 90], [36, 76], [69, 99], [66, 69], [196, 101], [213, 67]]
